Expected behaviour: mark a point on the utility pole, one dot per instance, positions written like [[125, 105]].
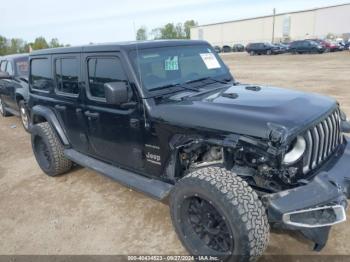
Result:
[[273, 25]]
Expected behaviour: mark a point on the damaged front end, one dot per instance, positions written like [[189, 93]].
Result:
[[300, 175], [320, 202]]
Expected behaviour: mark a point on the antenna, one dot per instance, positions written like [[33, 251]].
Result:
[[140, 77]]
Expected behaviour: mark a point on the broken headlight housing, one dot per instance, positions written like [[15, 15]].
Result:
[[295, 152]]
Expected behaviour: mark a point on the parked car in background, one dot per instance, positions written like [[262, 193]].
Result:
[[347, 45], [238, 48], [14, 87], [306, 47], [284, 48], [262, 49], [226, 49], [337, 46], [217, 49]]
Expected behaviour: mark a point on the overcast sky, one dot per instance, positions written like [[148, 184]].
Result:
[[78, 22]]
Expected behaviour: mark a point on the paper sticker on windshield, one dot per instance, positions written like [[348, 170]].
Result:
[[172, 63], [210, 61]]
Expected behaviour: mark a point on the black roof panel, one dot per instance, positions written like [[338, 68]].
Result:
[[110, 47]]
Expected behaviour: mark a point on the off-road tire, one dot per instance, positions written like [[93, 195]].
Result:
[[45, 139], [22, 106], [3, 111], [235, 200]]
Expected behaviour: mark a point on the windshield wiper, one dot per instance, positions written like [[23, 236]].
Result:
[[174, 85], [207, 78]]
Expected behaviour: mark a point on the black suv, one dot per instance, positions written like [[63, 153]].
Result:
[[262, 49], [306, 46], [14, 87], [166, 118]]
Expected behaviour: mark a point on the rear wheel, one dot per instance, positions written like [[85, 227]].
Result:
[[3, 111], [215, 212], [48, 150], [24, 115]]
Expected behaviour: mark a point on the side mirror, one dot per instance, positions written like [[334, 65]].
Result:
[[117, 93], [4, 75]]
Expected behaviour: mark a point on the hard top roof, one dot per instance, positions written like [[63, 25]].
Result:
[[110, 47], [14, 56]]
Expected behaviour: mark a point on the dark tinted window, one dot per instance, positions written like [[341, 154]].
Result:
[[3, 66], [9, 68], [22, 66], [41, 74], [67, 75], [101, 71]]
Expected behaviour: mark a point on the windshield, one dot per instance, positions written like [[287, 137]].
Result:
[[22, 66], [166, 66]]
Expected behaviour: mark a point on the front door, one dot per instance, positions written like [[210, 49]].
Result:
[[115, 132], [8, 87]]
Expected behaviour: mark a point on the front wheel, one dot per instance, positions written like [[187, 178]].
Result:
[[215, 212]]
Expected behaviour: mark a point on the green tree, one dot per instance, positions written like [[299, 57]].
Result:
[[16, 46], [187, 27], [3, 45], [54, 43], [40, 43], [180, 33], [141, 34], [155, 33], [168, 32]]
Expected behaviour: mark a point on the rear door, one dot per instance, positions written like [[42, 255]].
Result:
[[8, 86], [3, 81], [69, 103], [115, 132]]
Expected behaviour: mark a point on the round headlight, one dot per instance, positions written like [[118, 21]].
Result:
[[296, 152], [343, 116]]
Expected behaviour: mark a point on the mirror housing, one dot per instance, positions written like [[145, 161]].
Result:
[[5, 75], [117, 93]]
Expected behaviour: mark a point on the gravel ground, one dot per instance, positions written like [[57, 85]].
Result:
[[85, 213]]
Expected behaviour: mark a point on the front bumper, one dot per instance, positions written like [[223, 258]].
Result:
[[314, 207]]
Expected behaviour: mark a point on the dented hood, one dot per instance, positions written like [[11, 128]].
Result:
[[246, 110]]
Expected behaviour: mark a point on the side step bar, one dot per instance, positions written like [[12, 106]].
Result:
[[154, 188]]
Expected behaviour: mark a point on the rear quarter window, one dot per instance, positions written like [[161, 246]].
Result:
[[40, 74]]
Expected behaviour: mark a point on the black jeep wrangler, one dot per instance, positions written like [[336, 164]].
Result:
[[14, 92], [167, 118]]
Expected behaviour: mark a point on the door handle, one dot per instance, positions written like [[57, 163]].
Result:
[[91, 114], [60, 108]]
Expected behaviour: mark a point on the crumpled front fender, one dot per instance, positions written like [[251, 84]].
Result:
[[321, 201]]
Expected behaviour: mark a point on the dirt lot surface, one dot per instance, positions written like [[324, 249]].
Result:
[[85, 213]]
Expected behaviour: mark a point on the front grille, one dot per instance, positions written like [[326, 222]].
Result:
[[322, 140]]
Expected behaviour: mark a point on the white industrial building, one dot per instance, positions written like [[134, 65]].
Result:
[[313, 23]]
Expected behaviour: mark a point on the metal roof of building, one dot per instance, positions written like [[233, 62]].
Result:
[[266, 16]]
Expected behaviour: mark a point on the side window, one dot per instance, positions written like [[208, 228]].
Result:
[[101, 71], [41, 74], [3, 66], [9, 68], [67, 75]]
